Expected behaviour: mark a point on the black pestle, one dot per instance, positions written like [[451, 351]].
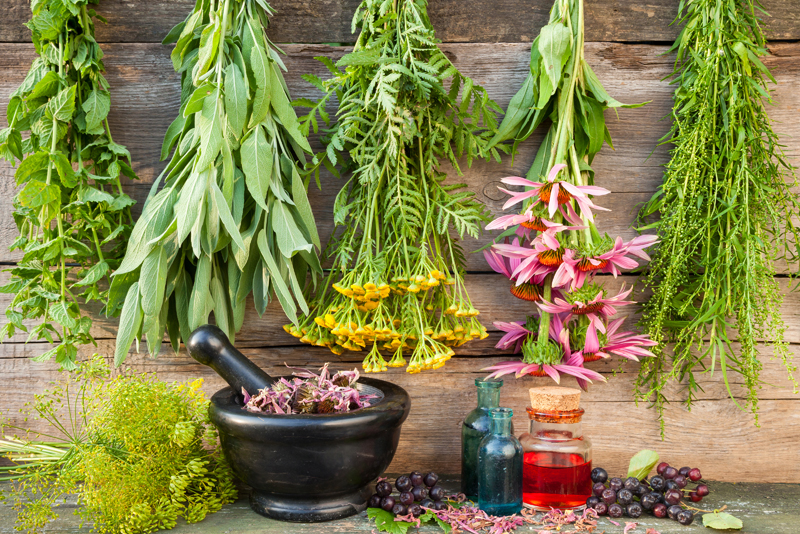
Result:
[[210, 346]]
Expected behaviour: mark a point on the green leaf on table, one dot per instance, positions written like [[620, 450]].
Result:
[[384, 521], [642, 463], [36, 194], [62, 106], [721, 521]]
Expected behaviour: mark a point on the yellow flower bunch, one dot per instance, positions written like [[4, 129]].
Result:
[[425, 314]]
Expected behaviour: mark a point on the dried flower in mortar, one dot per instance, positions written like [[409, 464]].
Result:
[[310, 393]]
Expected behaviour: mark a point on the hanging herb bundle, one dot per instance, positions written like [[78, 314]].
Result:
[[397, 279], [72, 215], [726, 210], [233, 216], [137, 452], [557, 250]]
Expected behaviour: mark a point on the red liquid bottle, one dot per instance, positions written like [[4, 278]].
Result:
[[557, 461]]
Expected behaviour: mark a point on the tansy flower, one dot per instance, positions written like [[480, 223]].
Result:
[[555, 194]]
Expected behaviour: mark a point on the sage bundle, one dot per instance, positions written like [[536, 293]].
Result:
[[233, 216], [557, 251], [726, 211], [72, 216], [397, 276]]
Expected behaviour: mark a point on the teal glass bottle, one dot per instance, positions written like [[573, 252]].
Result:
[[474, 428], [500, 467]]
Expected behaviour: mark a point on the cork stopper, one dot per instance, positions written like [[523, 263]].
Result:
[[555, 404]]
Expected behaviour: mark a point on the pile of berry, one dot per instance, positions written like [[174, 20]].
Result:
[[417, 491], [661, 495]]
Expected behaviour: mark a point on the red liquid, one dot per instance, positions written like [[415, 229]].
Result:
[[555, 480]]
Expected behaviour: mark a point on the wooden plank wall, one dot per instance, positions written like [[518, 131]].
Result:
[[627, 45]]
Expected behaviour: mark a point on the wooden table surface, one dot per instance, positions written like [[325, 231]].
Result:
[[489, 41], [763, 508]]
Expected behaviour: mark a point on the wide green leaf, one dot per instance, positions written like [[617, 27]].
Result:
[[263, 95], [153, 280], [96, 106], [722, 521], [555, 44], [37, 194], [62, 106], [642, 463], [129, 322], [93, 275], [288, 235], [257, 160], [60, 313], [235, 99], [209, 126]]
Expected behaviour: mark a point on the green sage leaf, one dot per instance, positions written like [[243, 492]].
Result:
[[642, 463]]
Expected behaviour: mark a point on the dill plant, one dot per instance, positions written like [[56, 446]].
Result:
[[726, 211], [397, 277], [138, 453]]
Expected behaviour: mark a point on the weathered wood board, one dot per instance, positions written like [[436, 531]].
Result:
[[474, 21], [714, 435]]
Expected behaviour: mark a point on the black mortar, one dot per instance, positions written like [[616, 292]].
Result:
[[303, 468]]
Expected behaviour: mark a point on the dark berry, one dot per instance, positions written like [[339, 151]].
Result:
[[599, 475], [598, 488], [426, 503], [387, 503], [601, 508], [419, 493], [616, 484], [375, 501], [671, 485], [673, 496], [439, 505], [681, 481], [649, 500], [406, 498], [658, 483], [436, 493], [399, 509], [702, 490], [673, 511], [694, 475], [431, 479], [684, 471], [416, 478], [415, 509], [631, 483], [403, 483], [660, 510], [383, 488], [615, 510], [670, 473], [625, 497], [695, 497], [641, 490], [661, 467], [609, 496], [685, 517], [591, 501], [634, 510]]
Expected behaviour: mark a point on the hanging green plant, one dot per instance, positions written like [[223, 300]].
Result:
[[72, 215], [397, 276], [233, 216], [726, 211]]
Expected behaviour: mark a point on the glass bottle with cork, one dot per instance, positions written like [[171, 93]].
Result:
[[474, 428], [557, 460]]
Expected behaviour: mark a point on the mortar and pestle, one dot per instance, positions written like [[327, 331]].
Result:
[[304, 468]]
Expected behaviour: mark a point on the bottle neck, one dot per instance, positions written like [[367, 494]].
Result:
[[556, 431], [488, 397], [501, 426]]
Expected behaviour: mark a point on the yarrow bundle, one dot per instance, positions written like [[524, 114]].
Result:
[[556, 250], [309, 393], [397, 278]]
